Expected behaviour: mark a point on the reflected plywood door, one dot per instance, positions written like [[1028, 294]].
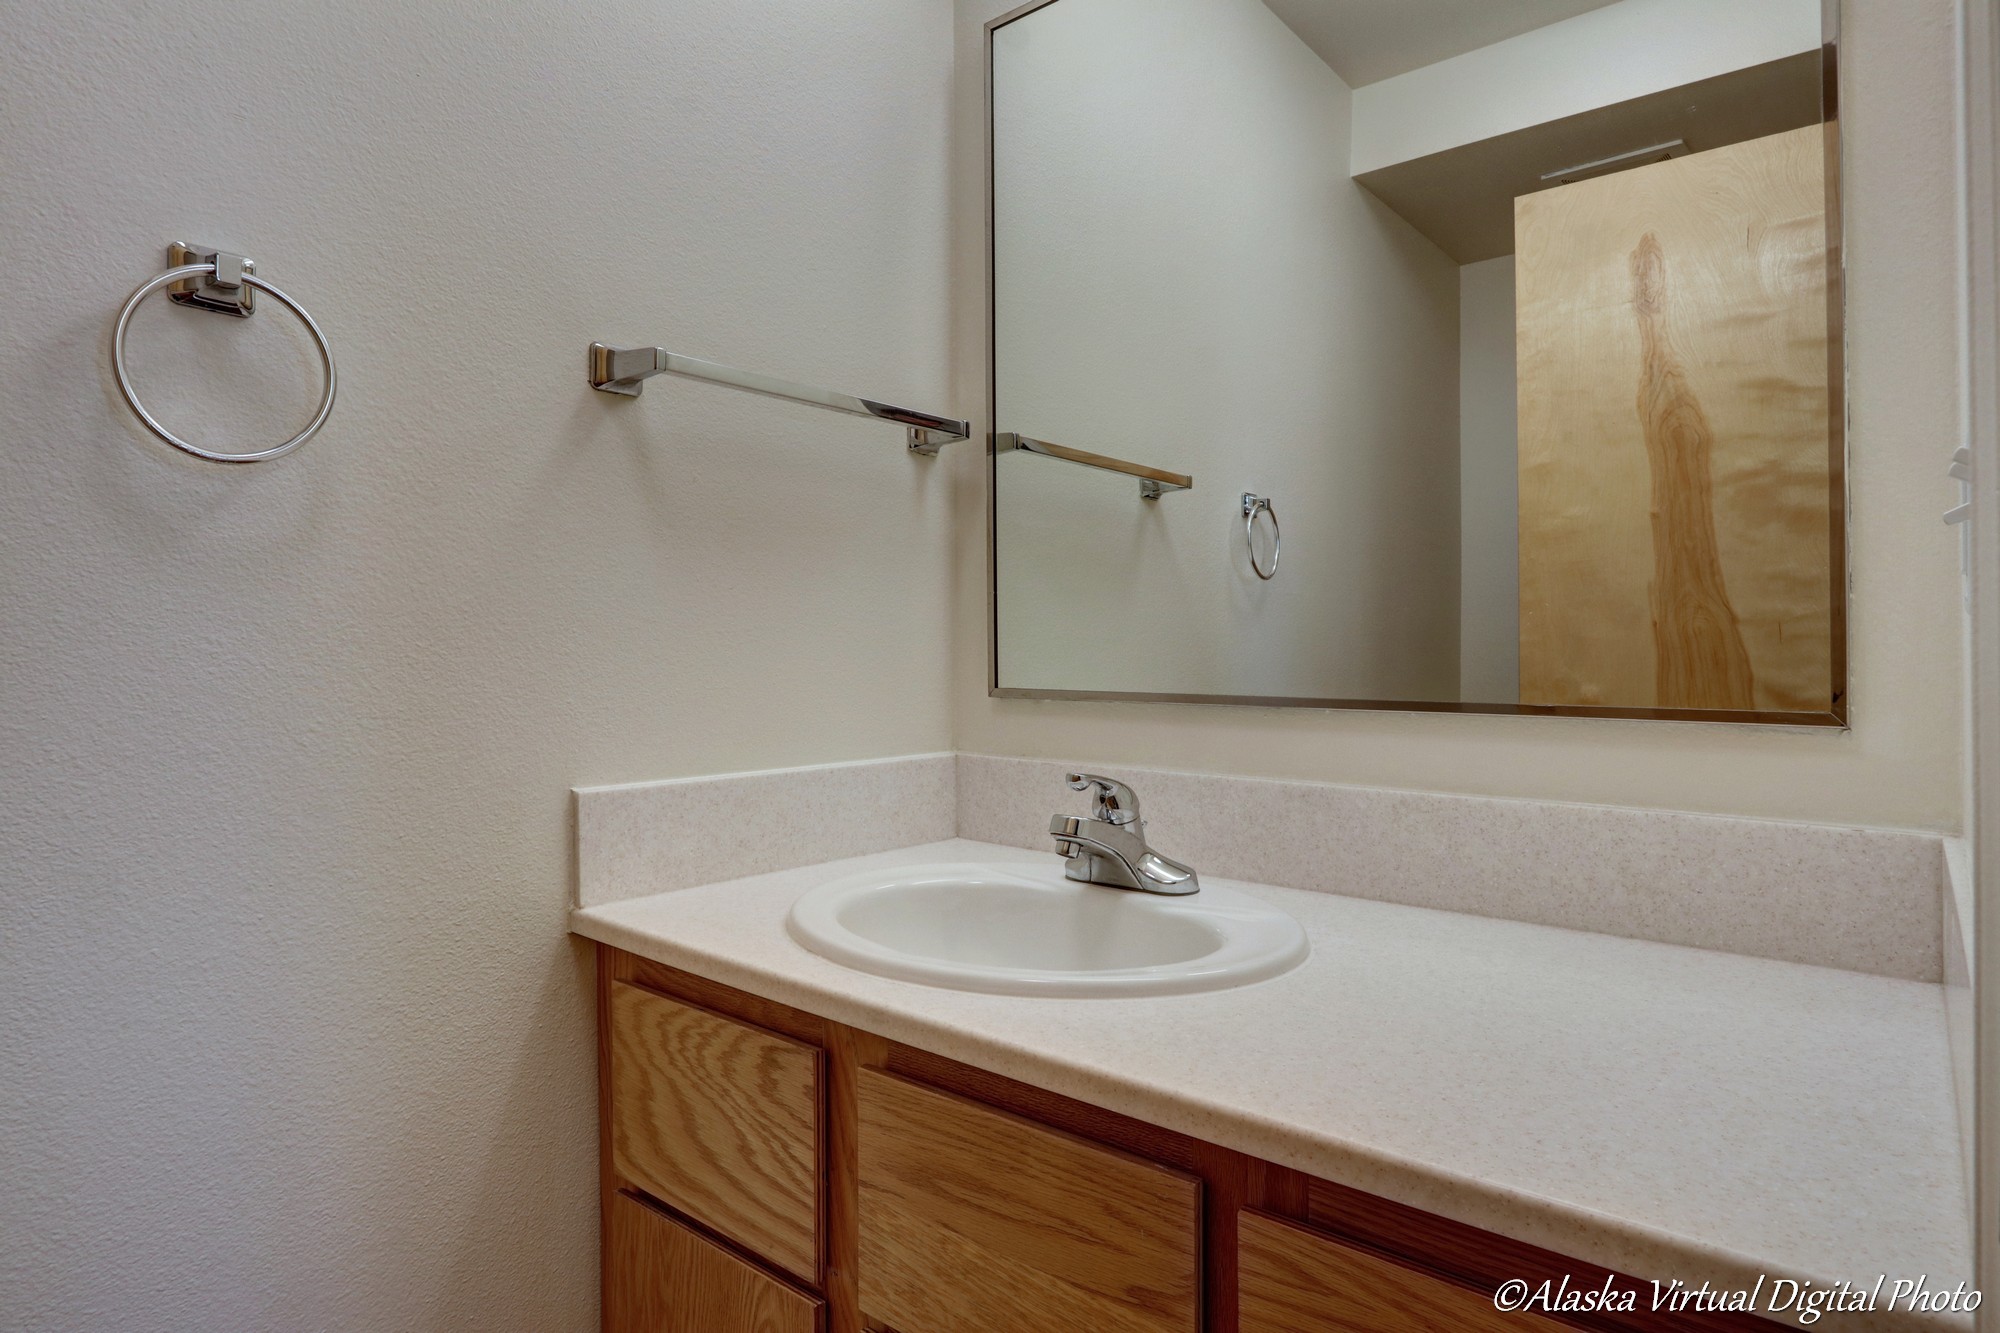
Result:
[[1677, 506], [1291, 1280], [662, 1277]]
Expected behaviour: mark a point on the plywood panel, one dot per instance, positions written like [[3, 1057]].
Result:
[[1676, 489], [662, 1277], [1293, 1281], [973, 1220], [720, 1120]]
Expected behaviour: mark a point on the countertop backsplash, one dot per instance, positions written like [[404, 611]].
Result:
[[1861, 899]]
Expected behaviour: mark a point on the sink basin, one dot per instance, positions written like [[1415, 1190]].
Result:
[[1023, 929]]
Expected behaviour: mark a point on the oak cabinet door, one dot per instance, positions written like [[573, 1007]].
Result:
[[1291, 1280], [720, 1120], [973, 1220], [662, 1277]]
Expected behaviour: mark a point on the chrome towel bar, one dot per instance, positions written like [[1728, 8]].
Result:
[[1153, 482], [625, 369]]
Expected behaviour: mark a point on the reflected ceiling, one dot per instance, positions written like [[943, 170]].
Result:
[[1367, 40]]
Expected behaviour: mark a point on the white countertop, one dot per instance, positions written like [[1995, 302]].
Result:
[[1665, 1111]]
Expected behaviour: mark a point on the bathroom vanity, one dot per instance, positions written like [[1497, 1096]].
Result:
[[1429, 1106], [766, 1168]]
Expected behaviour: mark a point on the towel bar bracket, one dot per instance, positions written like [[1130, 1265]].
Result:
[[624, 369], [926, 441], [223, 292]]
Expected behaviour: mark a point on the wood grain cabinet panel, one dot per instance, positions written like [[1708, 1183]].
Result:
[[973, 1220], [720, 1120], [663, 1277], [1291, 1280]]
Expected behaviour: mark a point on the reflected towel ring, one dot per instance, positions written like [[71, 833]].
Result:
[[1252, 506], [181, 273]]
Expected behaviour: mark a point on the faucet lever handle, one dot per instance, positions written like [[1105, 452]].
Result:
[[1111, 800]]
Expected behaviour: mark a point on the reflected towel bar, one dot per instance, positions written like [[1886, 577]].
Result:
[[625, 369], [1153, 482]]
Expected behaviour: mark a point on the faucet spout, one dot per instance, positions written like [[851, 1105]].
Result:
[[1116, 855]]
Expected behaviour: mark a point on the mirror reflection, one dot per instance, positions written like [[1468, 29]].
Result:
[[1463, 354]]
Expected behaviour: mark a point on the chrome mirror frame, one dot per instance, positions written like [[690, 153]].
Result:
[[1837, 443]]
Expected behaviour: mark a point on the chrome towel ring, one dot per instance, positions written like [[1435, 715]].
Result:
[[1254, 505], [224, 280]]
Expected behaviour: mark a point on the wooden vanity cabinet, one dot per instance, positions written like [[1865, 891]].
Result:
[[765, 1170], [1037, 1228], [719, 1120], [1294, 1280], [661, 1276]]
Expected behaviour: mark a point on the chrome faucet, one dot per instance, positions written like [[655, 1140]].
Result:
[[1110, 847]]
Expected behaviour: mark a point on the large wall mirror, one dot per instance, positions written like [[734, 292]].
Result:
[[1468, 355]]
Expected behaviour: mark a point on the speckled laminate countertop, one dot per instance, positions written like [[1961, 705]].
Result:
[[1666, 1111]]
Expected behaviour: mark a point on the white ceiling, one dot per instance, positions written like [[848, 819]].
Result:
[[1367, 40]]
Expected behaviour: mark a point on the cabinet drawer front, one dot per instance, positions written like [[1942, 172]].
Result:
[[720, 1120], [662, 1277], [1296, 1281], [974, 1220]]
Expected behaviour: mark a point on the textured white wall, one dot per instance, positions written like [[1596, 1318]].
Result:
[[1489, 522], [1569, 67], [1898, 766], [293, 1037], [1192, 281]]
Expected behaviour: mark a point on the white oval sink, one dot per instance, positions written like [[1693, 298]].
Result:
[[1023, 929]]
